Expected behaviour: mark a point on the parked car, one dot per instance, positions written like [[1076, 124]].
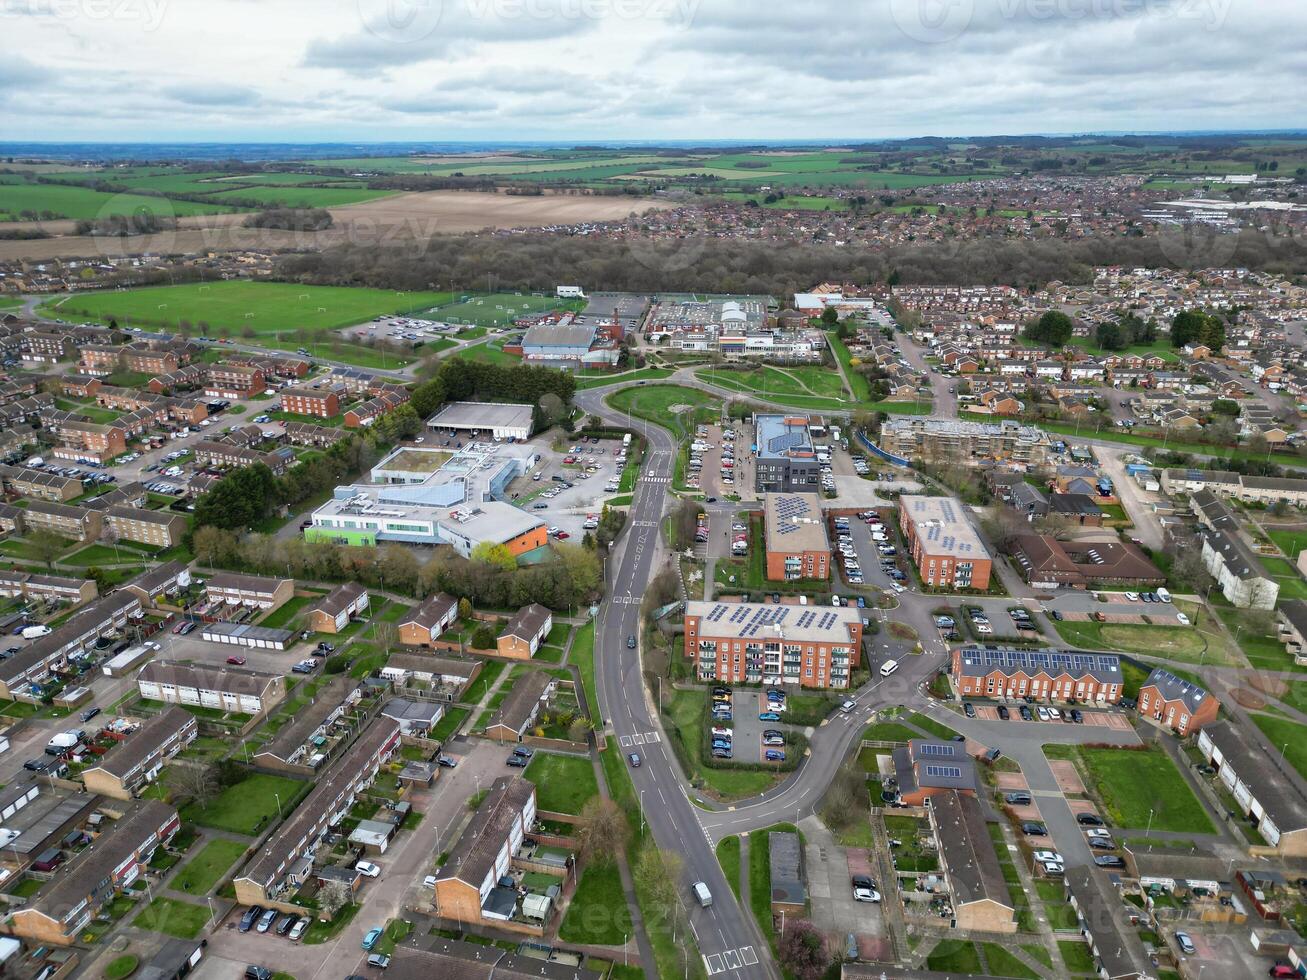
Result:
[[371, 938], [768, 716], [379, 960], [1003, 712], [367, 868], [774, 755], [257, 973], [1089, 820], [864, 889], [448, 762], [236, 661], [265, 920], [297, 930], [250, 917], [1184, 942], [1034, 828], [286, 923], [517, 762], [89, 713], [1017, 797], [968, 709], [1109, 861], [1025, 713], [1044, 857]]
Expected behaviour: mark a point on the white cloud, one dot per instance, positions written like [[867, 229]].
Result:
[[644, 69]]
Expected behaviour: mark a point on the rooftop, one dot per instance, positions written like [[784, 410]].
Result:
[[1260, 770], [1173, 688], [768, 621], [794, 522], [145, 741], [482, 415], [979, 661], [477, 850], [967, 851], [941, 527], [782, 436]]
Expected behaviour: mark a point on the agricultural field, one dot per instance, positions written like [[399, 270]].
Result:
[[266, 308], [300, 197], [30, 201]]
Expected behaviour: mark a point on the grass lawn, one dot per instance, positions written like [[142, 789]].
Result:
[[1292, 585], [598, 913], [1290, 542], [954, 956], [291, 309], [284, 614], [655, 403], [760, 877], [1287, 735], [448, 723], [1004, 964], [1262, 649], [1201, 643], [563, 782], [583, 658], [1076, 955], [244, 807], [728, 856], [601, 378], [935, 728], [203, 871], [1133, 783], [173, 918], [888, 731]]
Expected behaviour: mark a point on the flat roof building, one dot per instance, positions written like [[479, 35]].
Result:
[[499, 419], [754, 642], [943, 543], [795, 534], [785, 460]]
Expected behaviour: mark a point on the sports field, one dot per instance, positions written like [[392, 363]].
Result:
[[497, 309], [266, 308]]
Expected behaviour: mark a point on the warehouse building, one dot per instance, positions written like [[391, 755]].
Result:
[[754, 642], [495, 419], [945, 547], [554, 342]]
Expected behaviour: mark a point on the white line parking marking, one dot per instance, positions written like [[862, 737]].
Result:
[[714, 964], [749, 956], [732, 959]]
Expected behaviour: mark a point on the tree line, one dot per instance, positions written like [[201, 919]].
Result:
[[538, 261]]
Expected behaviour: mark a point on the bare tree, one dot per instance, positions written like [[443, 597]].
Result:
[[386, 635], [109, 536], [604, 830], [197, 783]]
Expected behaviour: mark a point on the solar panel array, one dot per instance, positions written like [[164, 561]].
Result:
[[787, 509], [935, 748], [1073, 662], [749, 619], [944, 772]]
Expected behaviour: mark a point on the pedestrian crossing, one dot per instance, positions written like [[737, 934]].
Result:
[[731, 959]]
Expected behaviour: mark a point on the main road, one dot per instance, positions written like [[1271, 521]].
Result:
[[728, 939]]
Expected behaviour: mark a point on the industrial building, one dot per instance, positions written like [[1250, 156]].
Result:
[[496, 419]]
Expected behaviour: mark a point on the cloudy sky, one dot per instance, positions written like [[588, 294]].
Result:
[[342, 70]]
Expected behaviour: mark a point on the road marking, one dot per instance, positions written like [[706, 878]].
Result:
[[624, 741], [749, 956], [714, 964], [732, 958], [638, 739], [651, 737]]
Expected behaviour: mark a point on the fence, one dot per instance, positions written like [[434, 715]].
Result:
[[886, 456]]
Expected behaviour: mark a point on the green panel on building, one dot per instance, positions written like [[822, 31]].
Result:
[[337, 535]]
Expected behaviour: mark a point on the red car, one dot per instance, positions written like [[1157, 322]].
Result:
[[237, 661], [563, 535]]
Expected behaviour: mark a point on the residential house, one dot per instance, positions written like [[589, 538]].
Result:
[[123, 772], [332, 613], [432, 617], [525, 632], [1179, 704]]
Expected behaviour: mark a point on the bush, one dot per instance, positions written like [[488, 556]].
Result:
[[484, 637], [122, 967]]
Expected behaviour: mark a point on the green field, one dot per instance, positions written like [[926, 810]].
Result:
[[277, 307], [245, 807], [78, 203], [1203, 643], [300, 197], [497, 309], [1287, 737], [773, 382], [1135, 784], [655, 403], [203, 871], [563, 782], [1290, 542], [598, 913], [173, 918]]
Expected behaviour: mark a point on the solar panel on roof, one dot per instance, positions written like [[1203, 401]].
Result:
[[934, 748], [944, 772]]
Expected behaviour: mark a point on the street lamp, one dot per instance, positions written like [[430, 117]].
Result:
[[642, 812], [277, 797]]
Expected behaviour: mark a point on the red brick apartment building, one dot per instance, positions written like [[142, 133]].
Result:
[[756, 642], [323, 403], [945, 547], [234, 381], [795, 533], [1007, 673], [1180, 705]]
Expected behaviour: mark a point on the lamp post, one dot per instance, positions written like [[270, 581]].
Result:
[[277, 797], [213, 917], [642, 812]]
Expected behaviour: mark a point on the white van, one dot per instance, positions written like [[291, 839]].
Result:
[[888, 667], [702, 894], [1164, 595]]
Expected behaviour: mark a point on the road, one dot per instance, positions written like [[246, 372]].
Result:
[[728, 939]]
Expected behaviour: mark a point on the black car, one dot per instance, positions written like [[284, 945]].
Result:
[[1089, 820], [89, 713], [1017, 798], [863, 881], [1034, 829], [630, 642], [524, 752], [258, 973], [35, 765], [968, 709], [517, 762], [447, 761], [286, 922], [1077, 716], [1003, 712], [1102, 843], [1026, 714], [250, 917], [1109, 860]]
